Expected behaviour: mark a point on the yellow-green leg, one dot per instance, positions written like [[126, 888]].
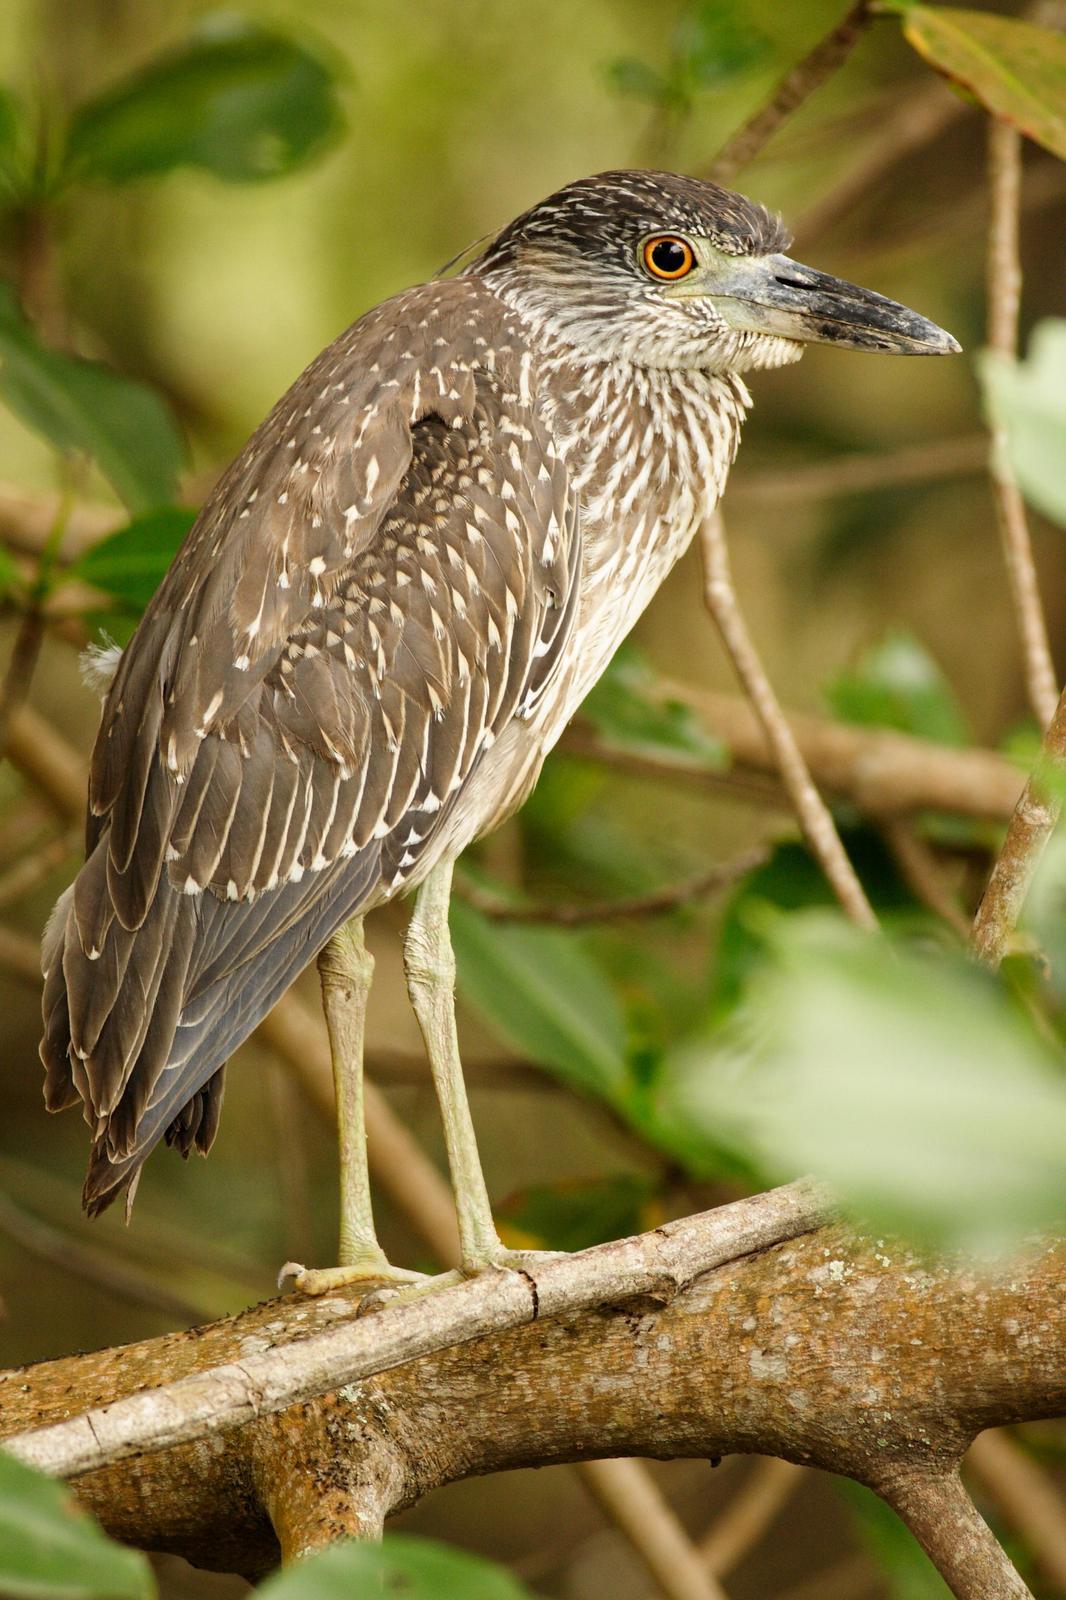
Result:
[[430, 964], [346, 969]]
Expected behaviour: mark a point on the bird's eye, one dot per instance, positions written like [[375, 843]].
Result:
[[666, 256]]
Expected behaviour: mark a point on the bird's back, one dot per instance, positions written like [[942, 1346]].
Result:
[[379, 586]]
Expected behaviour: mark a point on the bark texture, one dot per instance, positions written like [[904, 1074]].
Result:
[[849, 1355]]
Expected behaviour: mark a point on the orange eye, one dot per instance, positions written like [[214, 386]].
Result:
[[667, 256]]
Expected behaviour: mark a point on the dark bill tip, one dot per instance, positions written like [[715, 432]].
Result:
[[776, 295], [827, 310]]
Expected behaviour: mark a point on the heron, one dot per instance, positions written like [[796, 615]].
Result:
[[378, 627]]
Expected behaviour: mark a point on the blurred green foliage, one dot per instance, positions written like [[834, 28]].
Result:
[[1028, 398], [418, 1569], [237, 100], [52, 1550]]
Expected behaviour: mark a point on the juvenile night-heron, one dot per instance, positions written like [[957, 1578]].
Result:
[[380, 624]]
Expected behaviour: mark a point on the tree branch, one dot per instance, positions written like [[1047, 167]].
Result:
[[630, 1498], [1004, 298], [794, 88], [769, 1353], [576, 915], [656, 1265], [1028, 832]]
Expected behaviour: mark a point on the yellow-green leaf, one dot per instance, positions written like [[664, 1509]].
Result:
[[1015, 69]]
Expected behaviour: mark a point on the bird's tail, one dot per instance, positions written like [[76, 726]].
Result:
[[140, 1030]]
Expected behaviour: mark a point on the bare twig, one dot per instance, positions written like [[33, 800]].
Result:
[[567, 915], [859, 473], [50, 763], [1028, 832], [741, 1525], [1024, 1493], [881, 771], [631, 1498], [260, 1384], [794, 88], [20, 669], [1004, 296], [951, 1531], [814, 817], [27, 520], [26, 874]]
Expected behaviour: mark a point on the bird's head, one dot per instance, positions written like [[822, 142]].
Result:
[[670, 271]]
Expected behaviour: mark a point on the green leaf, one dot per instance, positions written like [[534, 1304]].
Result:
[[11, 580], [130, 563], [897, 684], [15, 146], [1015, 69], [792, 880], [627, 707], [83, 405], [716, 40], [402, 1566], [575, 1214], [907, 1568], [543, 992], [238, 100], [909, 1081], [52, 1550], [626, 75], [1028, 399]]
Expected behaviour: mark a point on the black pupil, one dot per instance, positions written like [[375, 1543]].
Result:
[[668, 255]]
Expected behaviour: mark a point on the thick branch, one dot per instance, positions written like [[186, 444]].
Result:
[[769, 1354], [656, 1265], [950, 1530]]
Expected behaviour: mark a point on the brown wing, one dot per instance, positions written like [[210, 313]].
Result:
[[383, 580]]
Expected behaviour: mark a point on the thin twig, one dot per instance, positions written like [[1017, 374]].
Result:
[[207, 1403], [740, 1526], [575, 915], [818, 826], [1004, 296], [95, 1266], [20, 668], [915, 122], [794, 88], [862, 472], [50, 763], [881, 771], [1028, 832], [631, 1498], [20, 879], [1027, 1497]]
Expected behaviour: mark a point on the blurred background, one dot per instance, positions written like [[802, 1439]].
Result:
[[866, 558]]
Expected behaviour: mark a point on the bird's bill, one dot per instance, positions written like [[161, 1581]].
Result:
[[776, 295]]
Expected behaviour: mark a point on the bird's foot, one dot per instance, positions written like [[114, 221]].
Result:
[[499, 1257], [370, 1269]]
